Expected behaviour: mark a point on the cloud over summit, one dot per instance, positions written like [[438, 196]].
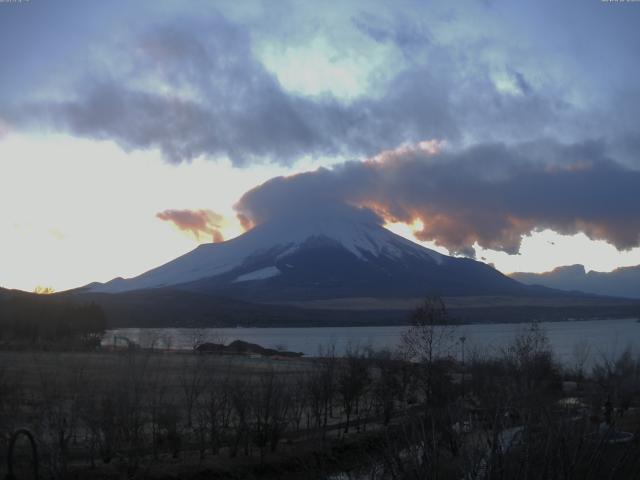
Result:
[[491, 194]]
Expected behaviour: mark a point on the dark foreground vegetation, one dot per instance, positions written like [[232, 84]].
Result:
[[30, 320], [427, 410]]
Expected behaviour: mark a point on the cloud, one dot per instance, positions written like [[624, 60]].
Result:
[[405, 32], [196, 222], [195, 88], [490, 194], [5, 128]]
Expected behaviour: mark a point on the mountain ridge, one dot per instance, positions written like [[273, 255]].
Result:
[[621, 282]]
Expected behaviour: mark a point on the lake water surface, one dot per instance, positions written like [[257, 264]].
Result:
[[600, 338]]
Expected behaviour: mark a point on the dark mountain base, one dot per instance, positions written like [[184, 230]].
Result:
[[174, 308], [154, 308], [323, 272]]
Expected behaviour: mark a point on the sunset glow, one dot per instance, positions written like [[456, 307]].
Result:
[[124, 144], [237, 237]]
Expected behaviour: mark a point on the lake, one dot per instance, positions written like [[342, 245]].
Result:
[[600, 338]]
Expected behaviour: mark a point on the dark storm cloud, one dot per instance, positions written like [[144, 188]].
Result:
[[490, 194], [197, 222], [193, 88], [210, 96]]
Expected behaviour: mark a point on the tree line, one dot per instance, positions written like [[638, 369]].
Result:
[[37, 319]]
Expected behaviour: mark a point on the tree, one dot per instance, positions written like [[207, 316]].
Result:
[[430, 338], [387, 385], [431, 333], [353, 378], [269, 410], [531, 360]]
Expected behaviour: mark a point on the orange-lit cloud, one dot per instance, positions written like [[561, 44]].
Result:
[[196, 222], [489, 195]]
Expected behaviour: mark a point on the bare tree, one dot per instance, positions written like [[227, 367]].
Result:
[[192, 383], [432, 332], [387, 388], [321, 388], [269, 411], [299, 401], [430, 339], [580, 357], [156, 399], [218, 410], [353, 379], [59, 407], [534, 372], [241, 399]]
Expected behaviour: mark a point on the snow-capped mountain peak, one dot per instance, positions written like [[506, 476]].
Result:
[[275, 240]]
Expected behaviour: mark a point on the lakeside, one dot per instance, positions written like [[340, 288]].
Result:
[[137, 413], [604, 337]]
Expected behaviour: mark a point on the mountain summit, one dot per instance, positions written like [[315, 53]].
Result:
[[318, 258]]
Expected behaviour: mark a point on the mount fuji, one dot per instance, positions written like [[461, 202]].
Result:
[[321, 270], [320, 258]]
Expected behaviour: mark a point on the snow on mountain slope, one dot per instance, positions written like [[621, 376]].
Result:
[[279, 237], [261, 274]]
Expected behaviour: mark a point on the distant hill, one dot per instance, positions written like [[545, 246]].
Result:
[[621, 282]]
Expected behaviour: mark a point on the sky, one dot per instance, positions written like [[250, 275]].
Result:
[[131, 131]]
